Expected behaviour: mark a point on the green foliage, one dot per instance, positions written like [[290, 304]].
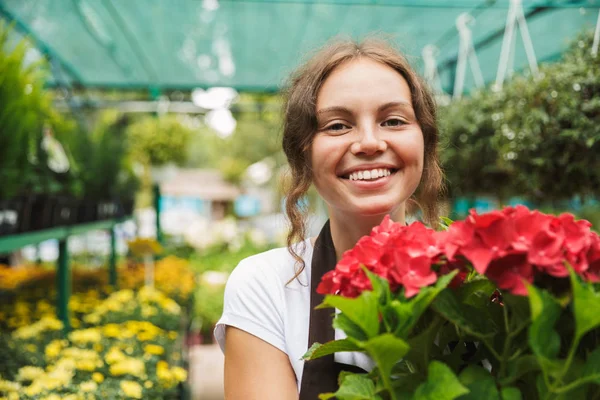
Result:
[[537, 138], [105, 166], [159, 140], [532, 347], [26, 106]]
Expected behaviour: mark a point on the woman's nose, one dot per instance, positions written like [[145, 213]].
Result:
[[368, 142]]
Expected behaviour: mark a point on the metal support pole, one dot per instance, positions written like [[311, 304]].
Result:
[[112, 266], [156, 191], [63, 284]]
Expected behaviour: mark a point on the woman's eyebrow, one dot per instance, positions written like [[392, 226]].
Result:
[[334, 109], [392, 104], [396, 104]]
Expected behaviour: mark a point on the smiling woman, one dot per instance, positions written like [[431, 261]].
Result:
[[359, 124]]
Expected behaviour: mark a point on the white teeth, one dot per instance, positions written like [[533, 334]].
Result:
[[368, 175]]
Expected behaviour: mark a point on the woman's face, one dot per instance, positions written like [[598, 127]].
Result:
[[367, 154]]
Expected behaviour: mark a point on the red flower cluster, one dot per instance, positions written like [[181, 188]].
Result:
[[514, 245], [510, 247], [403, 255]]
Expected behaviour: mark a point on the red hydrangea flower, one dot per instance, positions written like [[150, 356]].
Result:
[[401, 254], [511, 247]]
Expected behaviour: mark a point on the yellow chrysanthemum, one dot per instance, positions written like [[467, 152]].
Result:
[[131, 389], [32, 348], [29, 373], [114, 355], [179, 373], [129, 366], [9, 387], [154, 349], [89, 386], [98, 377], [83, 336]]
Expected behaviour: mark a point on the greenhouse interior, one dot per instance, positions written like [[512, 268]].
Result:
[[141, 160]]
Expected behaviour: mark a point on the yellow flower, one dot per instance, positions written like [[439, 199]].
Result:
[[131, 389], [86, 365], [89, 386], [53, 396], [179, 373], [53, 349], [29, 373], [92, 319], [114, 355], [145, 336], [173, 335], [148, 311], [154, 349], [10, 387], [32, 348], [148, 384], [98, 377], [83, 336], [129, 366], [111, 330]]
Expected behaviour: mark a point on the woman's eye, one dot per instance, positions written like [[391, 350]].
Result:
[[337, 127], [393, 122]]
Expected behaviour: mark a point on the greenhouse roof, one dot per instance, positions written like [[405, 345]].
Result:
[[251, 45]]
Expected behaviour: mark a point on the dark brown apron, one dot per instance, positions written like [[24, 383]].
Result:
[[321, 375]]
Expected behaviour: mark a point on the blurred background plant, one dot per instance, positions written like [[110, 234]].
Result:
[[515, 142]]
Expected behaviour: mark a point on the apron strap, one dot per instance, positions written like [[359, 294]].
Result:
[[320, 375]]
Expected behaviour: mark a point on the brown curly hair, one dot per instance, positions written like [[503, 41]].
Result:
[[300, 126]]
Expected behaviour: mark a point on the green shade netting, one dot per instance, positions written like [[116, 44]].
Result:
[[253, 45]]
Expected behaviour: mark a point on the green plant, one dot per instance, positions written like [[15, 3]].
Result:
[[159, 140], [25, 106], [536, 138], [481, 311]]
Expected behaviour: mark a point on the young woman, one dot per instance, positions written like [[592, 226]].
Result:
[[360, 125]]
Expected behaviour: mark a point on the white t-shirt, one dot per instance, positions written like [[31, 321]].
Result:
[[258, 301]]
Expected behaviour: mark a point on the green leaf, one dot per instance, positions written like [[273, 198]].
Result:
[[441, 384], [362, 310], [472, 320], [381, 287], [386, 350], [591, 370], [519, 367], [586, 303], [407, 312], [352, 330], [543, 339], [423, 346], [511, 393], [445, 222], [354, 387], [472, 292], [318, 350], [519, 310], [480, 383]]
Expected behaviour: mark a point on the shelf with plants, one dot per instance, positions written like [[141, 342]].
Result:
[[60, 176]]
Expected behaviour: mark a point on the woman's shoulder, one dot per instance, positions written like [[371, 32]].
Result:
[[275, 265]]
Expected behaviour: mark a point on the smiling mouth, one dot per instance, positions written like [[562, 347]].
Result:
[[370, 175]]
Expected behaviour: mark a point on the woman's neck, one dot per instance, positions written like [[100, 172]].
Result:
[[347, 230]]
